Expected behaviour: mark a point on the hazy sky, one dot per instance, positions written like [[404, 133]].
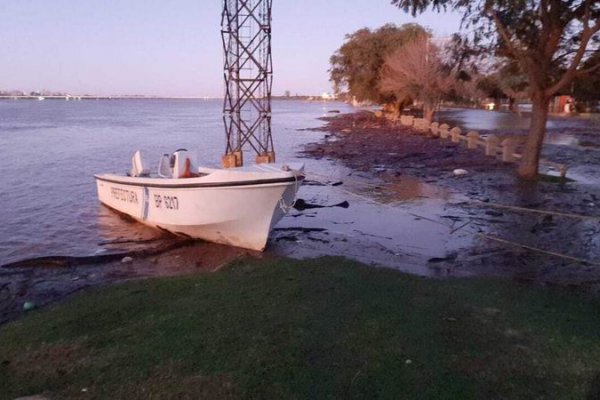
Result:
[[173, 48]]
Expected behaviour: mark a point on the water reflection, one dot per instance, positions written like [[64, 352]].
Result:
[[119, 232], [400, 224], [481, 120], [558, 130], [409, 189], [53, 149], [561, 139]]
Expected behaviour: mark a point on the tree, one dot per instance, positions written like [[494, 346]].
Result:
[[416, 70], [547, 39], [587, 88], [356, 65], [505, 82]]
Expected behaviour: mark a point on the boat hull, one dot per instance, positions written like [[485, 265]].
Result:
[[239, 214]]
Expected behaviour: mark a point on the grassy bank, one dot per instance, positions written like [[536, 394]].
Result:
[[306, 329]]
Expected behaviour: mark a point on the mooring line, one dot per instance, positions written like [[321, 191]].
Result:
[[538, 250], [479, 203]]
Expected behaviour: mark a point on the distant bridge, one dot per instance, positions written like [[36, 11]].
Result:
[[71, 97]]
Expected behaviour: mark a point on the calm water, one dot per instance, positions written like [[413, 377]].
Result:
[[559, 130], [51, 150]]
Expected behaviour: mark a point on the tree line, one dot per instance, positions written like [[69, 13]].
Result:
[[526, 49]]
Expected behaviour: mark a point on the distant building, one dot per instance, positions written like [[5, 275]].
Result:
[[562, 104]]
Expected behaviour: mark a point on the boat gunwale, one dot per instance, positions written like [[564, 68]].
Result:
[[253, 182]]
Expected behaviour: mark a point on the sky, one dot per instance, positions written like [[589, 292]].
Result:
[[173, 48]]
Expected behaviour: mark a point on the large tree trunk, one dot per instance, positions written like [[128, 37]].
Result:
[[537, 130], [511, 104], [428, 111], [428, 114]]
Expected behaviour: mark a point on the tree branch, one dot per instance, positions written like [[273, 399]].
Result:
[[589, 70], [586, 35], [504, 33]]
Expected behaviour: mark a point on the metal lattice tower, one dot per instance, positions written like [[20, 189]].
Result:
[[248, 72]]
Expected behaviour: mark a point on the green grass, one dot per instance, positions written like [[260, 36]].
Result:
[[554, 179], [325, 328]]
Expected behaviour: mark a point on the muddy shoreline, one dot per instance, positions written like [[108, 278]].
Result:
[[521, 229], [37, 283], [388, 150]]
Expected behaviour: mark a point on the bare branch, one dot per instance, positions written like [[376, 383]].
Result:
[[504, 33], [416, 71], [572, 70]]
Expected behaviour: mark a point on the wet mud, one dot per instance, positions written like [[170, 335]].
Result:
[[485, 223], [35, 283]]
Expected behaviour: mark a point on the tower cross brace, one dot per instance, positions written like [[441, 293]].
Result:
[[248, 75]]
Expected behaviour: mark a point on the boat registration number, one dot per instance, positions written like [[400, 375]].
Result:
[[168, 202]]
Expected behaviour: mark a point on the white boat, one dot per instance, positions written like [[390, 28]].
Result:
[[233, 206], [236, 205]]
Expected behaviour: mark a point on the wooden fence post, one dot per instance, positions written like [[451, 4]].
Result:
[[508, 150], [491, 145], [455, 132], [406, 120], [563, 171], [444, 131], [472, 140], [421, 125], [435, 129]]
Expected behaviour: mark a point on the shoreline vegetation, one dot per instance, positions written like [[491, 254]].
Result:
[[318, 328]]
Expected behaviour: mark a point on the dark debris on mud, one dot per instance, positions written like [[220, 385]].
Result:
[[388, 151]]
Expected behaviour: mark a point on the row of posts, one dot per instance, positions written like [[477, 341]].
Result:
[[491, 143]]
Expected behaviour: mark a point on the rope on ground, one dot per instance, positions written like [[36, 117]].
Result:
[[493, 238], [538, 250], [531, 210], [478, 203]]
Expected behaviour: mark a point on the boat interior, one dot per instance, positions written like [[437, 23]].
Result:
[[181, 164]]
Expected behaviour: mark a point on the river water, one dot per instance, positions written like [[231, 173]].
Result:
[[52, 149]]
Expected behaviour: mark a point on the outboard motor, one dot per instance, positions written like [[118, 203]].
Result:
[[138, 169], [178, 161], [164, 167]]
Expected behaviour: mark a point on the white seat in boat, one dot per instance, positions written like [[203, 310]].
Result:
[[164, 167], [137, 165]]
